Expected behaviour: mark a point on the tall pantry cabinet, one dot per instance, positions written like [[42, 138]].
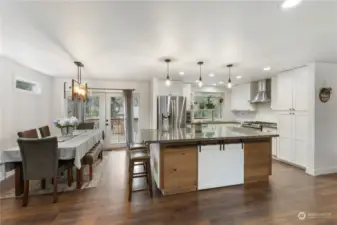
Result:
[[290, 101]]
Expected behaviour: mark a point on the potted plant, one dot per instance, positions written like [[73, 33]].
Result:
[[210, 104]]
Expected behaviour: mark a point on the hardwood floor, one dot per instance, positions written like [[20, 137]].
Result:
[[290, 191]]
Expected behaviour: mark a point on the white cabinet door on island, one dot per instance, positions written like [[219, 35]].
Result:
[[220, 168]]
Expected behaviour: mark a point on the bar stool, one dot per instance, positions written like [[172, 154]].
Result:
[[138, 157]]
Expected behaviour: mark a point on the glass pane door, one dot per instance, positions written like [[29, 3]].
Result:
[[91, 110], [106, 110], [115, 119], [136, 133], [94, 110]]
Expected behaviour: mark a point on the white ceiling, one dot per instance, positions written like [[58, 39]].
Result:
[[129, 40]]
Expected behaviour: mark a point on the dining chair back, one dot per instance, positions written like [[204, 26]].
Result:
[[39, 162], [28, 134], [44, 131], [39, 157], [86, 126]]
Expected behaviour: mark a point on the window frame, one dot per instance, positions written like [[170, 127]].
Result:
[[37, 90]]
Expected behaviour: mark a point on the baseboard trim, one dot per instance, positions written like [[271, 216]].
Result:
[[7, 175], [288, 163], [324, 171], [7, 182]]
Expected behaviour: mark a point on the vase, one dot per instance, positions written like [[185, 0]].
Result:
[[70, 131], [64, 131]]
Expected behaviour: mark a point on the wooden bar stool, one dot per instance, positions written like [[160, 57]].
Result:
[[137, 158]]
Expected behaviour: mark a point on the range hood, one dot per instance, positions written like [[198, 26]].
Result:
[[263, 91]]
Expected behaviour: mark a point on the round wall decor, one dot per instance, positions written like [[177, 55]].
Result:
[[324, 94]]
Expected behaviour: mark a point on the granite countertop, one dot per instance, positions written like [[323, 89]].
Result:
[[207, 134]]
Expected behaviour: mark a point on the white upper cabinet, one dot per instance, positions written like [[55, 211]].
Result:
[[290, 90], [284, 90], [301, 89], [240, 98]]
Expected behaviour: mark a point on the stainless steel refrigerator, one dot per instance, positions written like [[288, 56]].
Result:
[[171, 112]]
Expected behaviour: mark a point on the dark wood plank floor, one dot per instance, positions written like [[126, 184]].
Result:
[[290, 191]]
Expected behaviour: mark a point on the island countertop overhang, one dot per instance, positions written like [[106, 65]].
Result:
[[216, 134]]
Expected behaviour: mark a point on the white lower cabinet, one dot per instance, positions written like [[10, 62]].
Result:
[[220, 168], [293, 131]]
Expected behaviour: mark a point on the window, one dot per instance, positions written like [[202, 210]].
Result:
[[27, 86], [91, 107]]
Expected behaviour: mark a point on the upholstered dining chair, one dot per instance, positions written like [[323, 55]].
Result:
[[28, 134], [44, 131], [39, 161], [86, 126]]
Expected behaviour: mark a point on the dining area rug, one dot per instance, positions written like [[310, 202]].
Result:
[[62, 186]]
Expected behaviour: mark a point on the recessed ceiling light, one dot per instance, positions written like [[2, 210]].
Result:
[[238, 77], [211, 74], [214, 84], [221, 82], [267, 68], [181, 73], [287, 4]]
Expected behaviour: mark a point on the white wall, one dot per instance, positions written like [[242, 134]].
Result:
[[20, 110], [176, 88], [325, 120], [1, 36], [141, 87]]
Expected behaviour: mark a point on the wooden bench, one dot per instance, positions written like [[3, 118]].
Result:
[[92, 156]]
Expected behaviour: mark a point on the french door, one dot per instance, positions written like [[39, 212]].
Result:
[[106, 110], [114, 120]]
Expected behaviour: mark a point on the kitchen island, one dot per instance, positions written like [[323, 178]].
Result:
[[183, 160]]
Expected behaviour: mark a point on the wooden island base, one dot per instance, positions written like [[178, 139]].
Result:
[[176, 166]]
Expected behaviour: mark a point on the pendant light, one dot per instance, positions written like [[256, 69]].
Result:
[[168, 80], [79, 89], [229, 84], [200, 78]]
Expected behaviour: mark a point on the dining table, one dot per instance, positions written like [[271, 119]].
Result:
[[72, 147]]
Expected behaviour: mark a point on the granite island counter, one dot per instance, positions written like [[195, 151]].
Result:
[[183, 160]]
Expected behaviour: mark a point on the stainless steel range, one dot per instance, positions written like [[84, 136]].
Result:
[[259, 125]]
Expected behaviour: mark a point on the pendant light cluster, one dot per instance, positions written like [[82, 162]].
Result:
[[199, 81]]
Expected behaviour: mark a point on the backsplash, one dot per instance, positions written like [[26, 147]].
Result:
[[263, 113]]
